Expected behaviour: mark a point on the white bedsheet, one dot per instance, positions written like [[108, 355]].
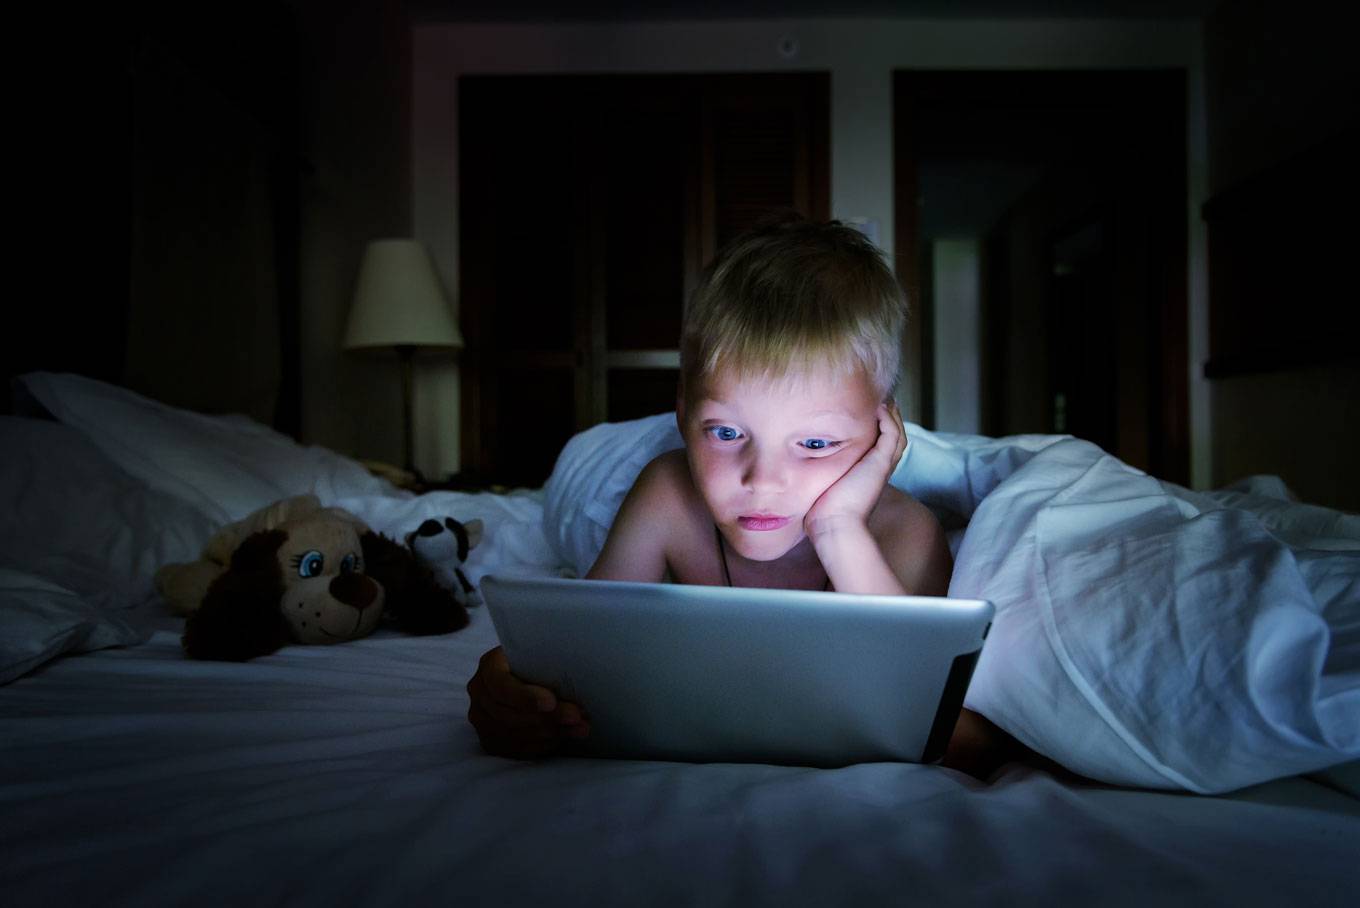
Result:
[[347, 775]]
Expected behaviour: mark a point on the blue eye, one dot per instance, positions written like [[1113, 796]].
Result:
[[310, 565], [819, 444], [350, 564], [725, 433]]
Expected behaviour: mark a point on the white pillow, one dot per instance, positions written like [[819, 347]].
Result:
[[226, 466], [40, 620], [72, 516]]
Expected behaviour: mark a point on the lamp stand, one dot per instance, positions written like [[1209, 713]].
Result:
[[406, 353]]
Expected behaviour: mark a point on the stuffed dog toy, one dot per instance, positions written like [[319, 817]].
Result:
[[296, 572]]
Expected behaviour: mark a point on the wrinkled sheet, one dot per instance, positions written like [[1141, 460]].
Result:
[[1146, 634], [347, 775]]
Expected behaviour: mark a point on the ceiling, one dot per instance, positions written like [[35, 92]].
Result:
[[671, 10]]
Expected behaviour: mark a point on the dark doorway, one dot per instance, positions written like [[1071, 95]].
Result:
[[590, 205], [1071, 189]]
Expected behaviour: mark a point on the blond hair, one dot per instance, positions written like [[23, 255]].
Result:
[[790, 294]]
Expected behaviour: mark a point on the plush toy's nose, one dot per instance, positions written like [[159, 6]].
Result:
[[355, 590]]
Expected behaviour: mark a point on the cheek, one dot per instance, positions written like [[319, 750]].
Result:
[[820, 473], [713, 473]]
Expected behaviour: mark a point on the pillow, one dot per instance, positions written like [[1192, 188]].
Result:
[[592, 475], [40, 620], [72, 516], [226, 466]]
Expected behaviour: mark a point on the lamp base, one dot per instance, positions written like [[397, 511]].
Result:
[[406, 353]]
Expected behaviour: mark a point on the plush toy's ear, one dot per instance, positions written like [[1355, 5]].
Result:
[[183, 586], [240, 617], [415, 601], [473, 528]]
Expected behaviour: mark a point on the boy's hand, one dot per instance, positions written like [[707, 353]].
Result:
[[515, 719], [852, 497]]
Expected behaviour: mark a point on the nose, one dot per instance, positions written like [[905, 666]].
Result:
[[764, 470], [355, 590]]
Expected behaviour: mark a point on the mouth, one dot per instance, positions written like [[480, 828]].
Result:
[[761, 523], [348, 635]]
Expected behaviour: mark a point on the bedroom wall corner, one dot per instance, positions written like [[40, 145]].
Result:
[[434, 218]]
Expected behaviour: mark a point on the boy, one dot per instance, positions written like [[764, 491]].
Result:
[[789, 357]]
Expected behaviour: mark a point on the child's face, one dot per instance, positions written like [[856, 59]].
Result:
[[761, 452]]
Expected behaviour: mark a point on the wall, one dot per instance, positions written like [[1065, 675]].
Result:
[[859, 54], [355, 75], [956, 289], [1277, 85]]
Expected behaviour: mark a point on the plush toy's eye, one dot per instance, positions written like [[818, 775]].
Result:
[[350, 564], [310, 565]]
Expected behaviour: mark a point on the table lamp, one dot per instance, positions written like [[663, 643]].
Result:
[[398, 303]]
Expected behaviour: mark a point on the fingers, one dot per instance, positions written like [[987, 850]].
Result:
[[508, 691], [892, 434], [517, 719], [901, 447]]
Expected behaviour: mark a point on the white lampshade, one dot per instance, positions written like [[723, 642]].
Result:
[[398, 300]]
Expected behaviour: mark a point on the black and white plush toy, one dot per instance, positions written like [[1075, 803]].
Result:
[[445, 547]]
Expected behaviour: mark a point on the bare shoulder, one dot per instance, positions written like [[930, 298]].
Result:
[[913, 542], [665, 479], [650, 523]]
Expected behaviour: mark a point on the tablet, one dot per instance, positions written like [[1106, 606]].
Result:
[[716, 674]]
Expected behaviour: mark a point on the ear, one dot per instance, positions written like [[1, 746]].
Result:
[[183, 586], [412, 597], [240, 618], [474, 529], [385, 561], [425, 607]]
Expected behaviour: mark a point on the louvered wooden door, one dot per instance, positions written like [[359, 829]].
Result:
[[590, 205]]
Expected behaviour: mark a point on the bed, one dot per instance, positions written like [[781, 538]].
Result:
[[1193, 658]]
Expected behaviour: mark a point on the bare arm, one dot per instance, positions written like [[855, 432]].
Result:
[[917, 551], [876, 540]]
